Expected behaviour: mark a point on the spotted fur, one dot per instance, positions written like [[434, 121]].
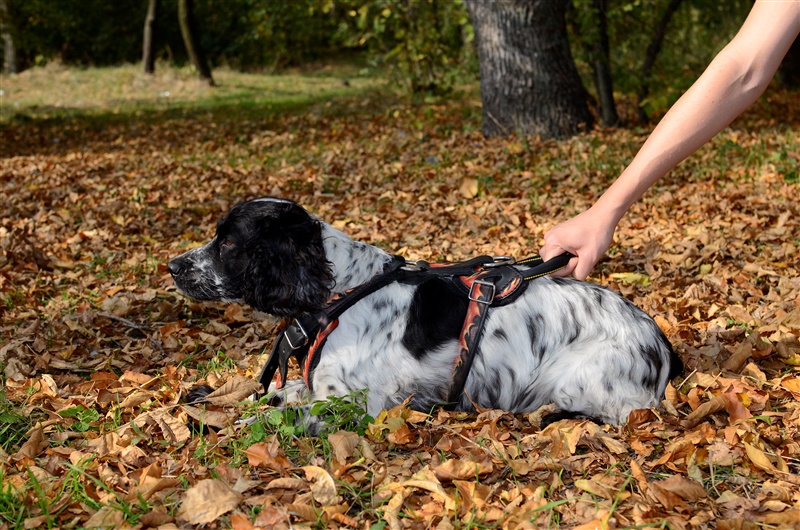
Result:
[[578, 345]]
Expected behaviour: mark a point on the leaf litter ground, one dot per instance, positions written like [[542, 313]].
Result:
[[98, 349]]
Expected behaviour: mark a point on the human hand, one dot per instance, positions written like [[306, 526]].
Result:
[[587, 236]]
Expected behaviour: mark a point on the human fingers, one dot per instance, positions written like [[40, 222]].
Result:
[[551, 249]]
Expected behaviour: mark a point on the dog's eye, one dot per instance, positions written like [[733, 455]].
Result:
[[226, 244]]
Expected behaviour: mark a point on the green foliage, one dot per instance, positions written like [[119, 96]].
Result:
[[256, 34], [12, 510], [13, 424], [85, 418], [696, 32], [424, 40], [347, 413]]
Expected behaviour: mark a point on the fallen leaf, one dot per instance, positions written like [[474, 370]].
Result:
[[207, 500]]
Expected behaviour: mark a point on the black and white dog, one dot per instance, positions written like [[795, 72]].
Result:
[[578, 345]]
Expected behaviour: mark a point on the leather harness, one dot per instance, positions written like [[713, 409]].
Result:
[[486, 281]]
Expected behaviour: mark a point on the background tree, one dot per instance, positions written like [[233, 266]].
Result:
[[190, 40], [528, 79], [589, 24], [148, 50], [789, 71], [10, 63], [653, 50]]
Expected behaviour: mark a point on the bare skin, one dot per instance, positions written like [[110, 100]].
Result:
[[736, 77]]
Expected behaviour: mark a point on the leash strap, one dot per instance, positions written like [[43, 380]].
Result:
[[535, 267]]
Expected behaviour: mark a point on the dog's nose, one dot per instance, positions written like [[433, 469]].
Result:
[[174, 267]]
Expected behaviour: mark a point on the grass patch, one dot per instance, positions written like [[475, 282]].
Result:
[[13, 424], [124, 92]]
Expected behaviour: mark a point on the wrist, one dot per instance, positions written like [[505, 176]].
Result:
[[608, 210]]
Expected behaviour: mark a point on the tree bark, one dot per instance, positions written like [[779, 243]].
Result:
[[189, 32], [601, 67], [148, 51], [529, 82], [11, 63], [653, 50]]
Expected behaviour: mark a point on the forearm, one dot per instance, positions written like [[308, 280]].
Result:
[[733, 81]]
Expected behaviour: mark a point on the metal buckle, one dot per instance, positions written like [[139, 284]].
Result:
[[499, 261], [414, 266], [302, 331], [486, 284]]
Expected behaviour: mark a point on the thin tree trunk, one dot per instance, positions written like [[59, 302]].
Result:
[[529, 82], [189, 32], [789, 71], [148, 50], [652, 53], [601, 68], [10, 63]]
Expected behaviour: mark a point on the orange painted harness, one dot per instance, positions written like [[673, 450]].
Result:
[[486, 281]]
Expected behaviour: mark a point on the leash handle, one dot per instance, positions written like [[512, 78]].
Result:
[[543, 268]]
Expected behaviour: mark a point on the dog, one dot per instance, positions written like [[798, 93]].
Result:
[[577, 345]]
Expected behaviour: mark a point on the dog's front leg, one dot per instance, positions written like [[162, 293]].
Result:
[[294, 391]]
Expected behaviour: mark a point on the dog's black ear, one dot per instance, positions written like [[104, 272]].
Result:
[[288, 273]]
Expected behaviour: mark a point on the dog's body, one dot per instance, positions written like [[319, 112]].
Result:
[[575, 344]]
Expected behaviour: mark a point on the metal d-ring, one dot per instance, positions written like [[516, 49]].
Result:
[[499, 261], [415, 266]]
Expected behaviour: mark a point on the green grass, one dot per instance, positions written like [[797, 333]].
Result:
[[13, 423], [119, 93]]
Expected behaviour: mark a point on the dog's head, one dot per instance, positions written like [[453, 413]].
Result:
[[267, 253]]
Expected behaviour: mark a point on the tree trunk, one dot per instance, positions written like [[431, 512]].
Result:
[[789, 71], [601, 67], [148, 51], [529, 82], [11, 64], [652, 53], [189, 32]]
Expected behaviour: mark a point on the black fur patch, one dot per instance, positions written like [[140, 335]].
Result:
[[567, 415], [436, 316]]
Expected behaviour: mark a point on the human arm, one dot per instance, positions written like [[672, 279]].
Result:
[[736, 77]]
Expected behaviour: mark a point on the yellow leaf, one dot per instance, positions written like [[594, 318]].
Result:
[[793, 360], [469, 188], [759, 458], [595, 488], [632, 277]]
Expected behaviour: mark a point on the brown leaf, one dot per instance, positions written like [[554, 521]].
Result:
[[266, 456], [734, 407], [343, 444], [324, 488], [204, 502], [233, 391], [735, 362], [33, 446], [708, 408], [240, 521], [685, 488], [463, 468], [211, 418]]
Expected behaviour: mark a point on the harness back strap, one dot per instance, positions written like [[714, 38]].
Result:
[[491, 287]]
